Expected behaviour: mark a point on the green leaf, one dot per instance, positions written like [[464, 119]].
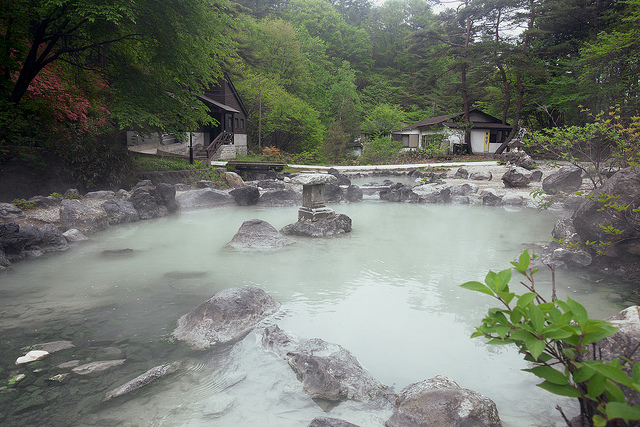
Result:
[[596, 385], [595, 336], [506, 296], [615, 373], [516, 315], [526, 299], [598, 421], [477, 286], [613, 392], [523, 262], [549, 374], [579, 312], [534, 346], [537, 318], [622, 410], [498, 341], [582, 374], [556, 332], [491, 281], [502, 331], [560, 390], [503, 278], [636, 372]]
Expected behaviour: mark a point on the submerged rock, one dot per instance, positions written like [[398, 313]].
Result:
[[439, 401], [258, 235], [53, 346], [140, 381], [98, 366], [330, 422], [327, 371], [226, 316]]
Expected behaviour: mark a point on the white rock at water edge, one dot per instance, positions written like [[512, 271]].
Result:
[[32, 356]]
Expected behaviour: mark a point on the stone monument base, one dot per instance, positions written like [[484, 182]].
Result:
[[336, 224], [315, 214]]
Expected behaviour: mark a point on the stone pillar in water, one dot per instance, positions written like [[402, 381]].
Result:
[[313, 205], [314, 218]]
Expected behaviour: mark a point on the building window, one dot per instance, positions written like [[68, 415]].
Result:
[[236, 123], [241, 123], [230, 123]]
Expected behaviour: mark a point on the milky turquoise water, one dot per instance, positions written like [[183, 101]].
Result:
[[388, 292]]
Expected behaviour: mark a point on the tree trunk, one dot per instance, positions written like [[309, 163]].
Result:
[[465, 95]]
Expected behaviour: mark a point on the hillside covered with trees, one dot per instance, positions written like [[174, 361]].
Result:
[[75, 73]]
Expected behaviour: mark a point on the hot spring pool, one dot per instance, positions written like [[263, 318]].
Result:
[[388, 292]]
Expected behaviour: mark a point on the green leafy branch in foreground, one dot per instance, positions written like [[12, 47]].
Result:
[[555, 337]]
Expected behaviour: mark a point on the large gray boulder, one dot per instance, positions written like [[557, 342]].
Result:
[[9, 212], [333, 193], [430, 193], [204, 198], [465, 189], [518, 158], [168, 194], [622, 256], [18, 242], [567, 179], [4, 261], [44, 202], [354, 193], [280, 198], [327, 371], [342, 179], [246, 196], [226, 316], [148, 201], [490, 198], [272, 184], [623, 344], [439, 401], [41, 240], [12, 242], [481, 176], [337, 224], [258, 235], [573, 258], [516, 177], [399, 192], [84, 216], [120, 211]]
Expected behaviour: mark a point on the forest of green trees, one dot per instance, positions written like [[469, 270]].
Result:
[[74, 73]]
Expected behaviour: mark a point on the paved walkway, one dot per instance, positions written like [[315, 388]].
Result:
[[369, 168]]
